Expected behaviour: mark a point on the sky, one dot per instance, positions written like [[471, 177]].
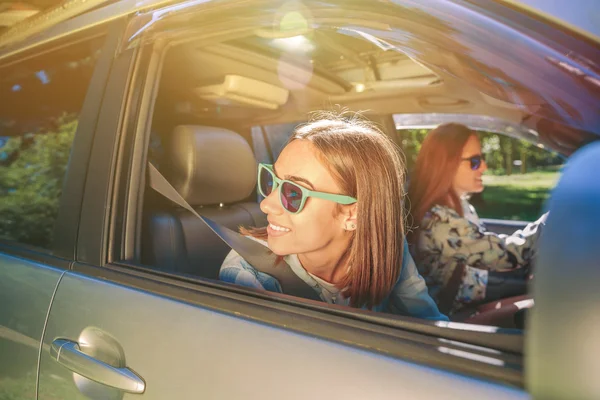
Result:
[[584, 14]]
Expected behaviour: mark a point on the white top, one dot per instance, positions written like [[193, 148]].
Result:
[[469, 212]]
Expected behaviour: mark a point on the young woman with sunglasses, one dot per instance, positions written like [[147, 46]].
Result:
[[452, 249], [332, 200]]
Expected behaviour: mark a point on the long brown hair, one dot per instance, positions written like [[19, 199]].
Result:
[[367, 166], [437, 164]]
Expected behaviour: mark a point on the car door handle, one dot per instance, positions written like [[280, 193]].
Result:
[[68, 354]]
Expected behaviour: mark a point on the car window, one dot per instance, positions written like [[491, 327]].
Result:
[[285, 88], [519, 179], [42, 97], [269, 140], [521, 172], [258, 85]]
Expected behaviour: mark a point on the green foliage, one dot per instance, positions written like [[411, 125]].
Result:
[[411, 140], [517, 197], [500, 151], [512, 192], [31, 184]]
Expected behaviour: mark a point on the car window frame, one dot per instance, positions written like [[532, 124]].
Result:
[[62, 249], [113, 207], [121, 256]]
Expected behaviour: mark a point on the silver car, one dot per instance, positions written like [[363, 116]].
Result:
[[108, 290]]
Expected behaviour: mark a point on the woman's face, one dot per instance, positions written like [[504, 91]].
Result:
[[466, 179], [319, 226]]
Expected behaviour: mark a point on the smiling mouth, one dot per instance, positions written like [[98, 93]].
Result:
[[278, 228]]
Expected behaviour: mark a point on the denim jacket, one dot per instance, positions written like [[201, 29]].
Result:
[[408, 297]]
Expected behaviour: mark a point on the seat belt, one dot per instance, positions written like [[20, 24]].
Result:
[[256, 254], [449, 292]]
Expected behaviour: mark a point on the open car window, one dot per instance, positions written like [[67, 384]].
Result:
[[256, 88], [259, 78]]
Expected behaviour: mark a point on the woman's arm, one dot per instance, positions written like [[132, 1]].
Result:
[[236, 270], [445, 236]]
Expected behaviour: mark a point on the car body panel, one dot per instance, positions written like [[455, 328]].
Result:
[[26, 290], [562, 341], [29, 275], [38, 22], [186, 351]]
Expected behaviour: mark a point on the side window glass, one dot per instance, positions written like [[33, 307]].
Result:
[[211, 93], [269, 140], [41, 97], [519, 178], [262, 146]]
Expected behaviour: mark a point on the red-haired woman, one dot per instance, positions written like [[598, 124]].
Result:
[[452, 250]]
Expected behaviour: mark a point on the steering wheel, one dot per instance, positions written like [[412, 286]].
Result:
[[506, 301], [506, 284], [506, 313]]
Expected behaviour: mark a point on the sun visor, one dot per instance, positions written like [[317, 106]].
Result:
[[239, 90]]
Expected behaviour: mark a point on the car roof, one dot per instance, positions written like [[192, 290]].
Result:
[[538, 43], [21, 19]]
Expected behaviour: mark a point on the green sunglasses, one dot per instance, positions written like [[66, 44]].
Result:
[[291, 195]]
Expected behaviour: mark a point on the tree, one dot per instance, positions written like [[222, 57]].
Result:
[[506, 144], [499, 150], [31, 185], [411, 140]]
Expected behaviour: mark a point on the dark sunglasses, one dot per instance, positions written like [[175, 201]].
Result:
[[291, 195], [475, 161]]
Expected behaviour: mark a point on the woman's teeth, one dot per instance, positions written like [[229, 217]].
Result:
[[279, 228]]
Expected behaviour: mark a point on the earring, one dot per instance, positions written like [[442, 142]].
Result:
[[352, 226]]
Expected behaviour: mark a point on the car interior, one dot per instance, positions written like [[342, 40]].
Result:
[[216, 99]]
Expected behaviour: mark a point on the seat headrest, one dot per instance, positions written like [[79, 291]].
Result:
[[209, 165]]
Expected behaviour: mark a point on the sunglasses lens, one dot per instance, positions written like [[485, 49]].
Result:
[[476, 162], [291, 197], [265, 182]]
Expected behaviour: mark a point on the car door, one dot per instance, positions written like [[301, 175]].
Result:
[[44, 135], [117, 329]]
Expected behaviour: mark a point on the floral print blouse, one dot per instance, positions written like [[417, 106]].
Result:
[[446, 240]]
